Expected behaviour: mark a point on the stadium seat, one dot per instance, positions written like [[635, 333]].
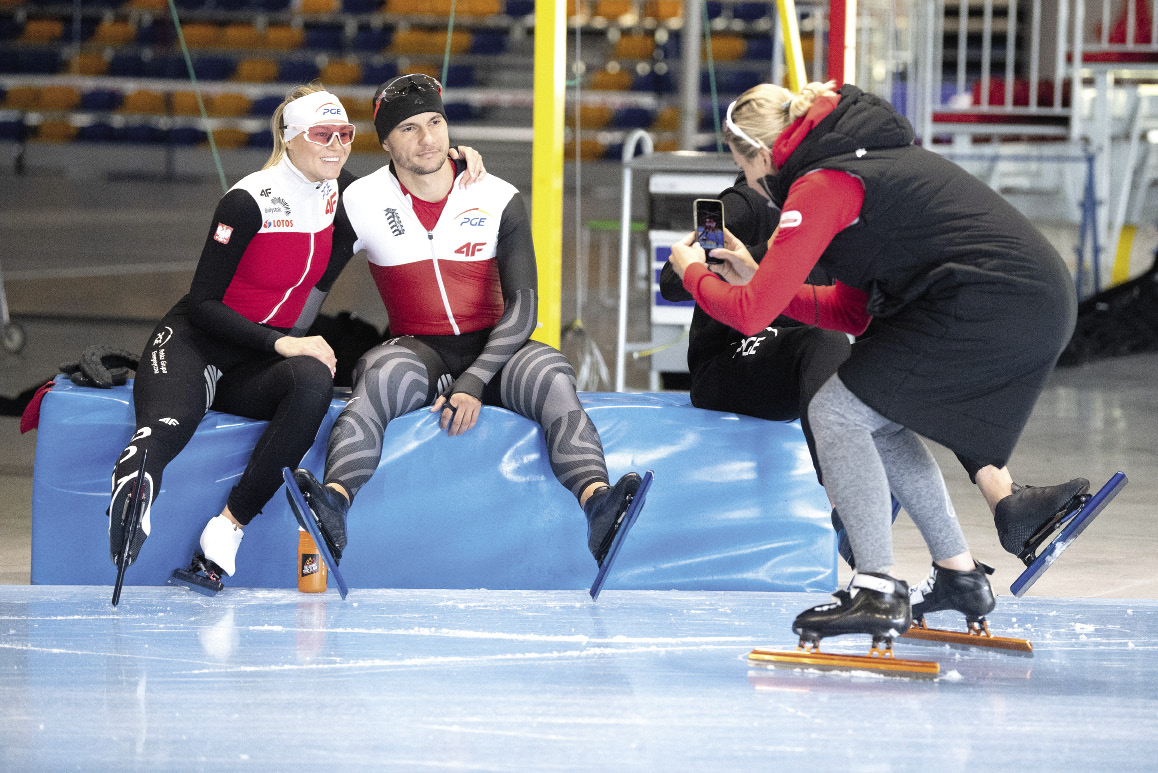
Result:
[[214, 68], [230, 138], [22, 98], [359, 108], [297, 70], [88, 63], [663, 10], [100, 131], [517, 8], [727, 48], [591, 116], [366, 142], [193, 5], [157, 32], [411, 41], [38, 61], [361, 6], [667, 120], [185, 103], [632, 118], [143, 101], [479, 9], [284, 38], [319, 6], [271, 6], [10, 28], [114, 32], [656, 82], [327, 37], [126, 65], [240, 36], [230, 105], [458, 76], [376, 72], [201, 34], [147, 5], [42, 30], [634, 46], [13, 130], [371, 39], [489, 42], [264, 106], [171, 67], [55, 131], [186, 135], [588, 150], [750, 11], [715, 9], [611, 9], [759, 48], [145, 133], [606, 80], [101, 99], [58, 98], [261, 139], [457, 112], [341, 72], [256, 71]]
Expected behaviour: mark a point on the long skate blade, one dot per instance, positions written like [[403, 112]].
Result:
[[197, 582], [968, 639], [620, 535], [306, 520], [135, 513], [1089, 511], [824, 661]]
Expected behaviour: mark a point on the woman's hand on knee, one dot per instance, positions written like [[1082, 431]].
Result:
[[309, 346]]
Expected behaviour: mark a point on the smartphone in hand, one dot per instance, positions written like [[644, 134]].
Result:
[[709, 217]]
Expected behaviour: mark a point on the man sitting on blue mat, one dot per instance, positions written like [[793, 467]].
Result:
[[456, 269]]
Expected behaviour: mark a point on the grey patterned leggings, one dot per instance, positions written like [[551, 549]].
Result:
[[405, 374]]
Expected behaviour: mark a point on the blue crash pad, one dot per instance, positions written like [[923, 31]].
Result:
[[735, 504]]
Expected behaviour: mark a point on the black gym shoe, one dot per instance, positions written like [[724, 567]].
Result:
[[119, 514], [843, 545], [965, 592], [873, 603], [329, 509], [605, 510], [1019, 515]]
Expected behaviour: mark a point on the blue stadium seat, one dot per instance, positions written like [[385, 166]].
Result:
[[707, 123], [264, 106], [327, 37], [730, 81], [460, 111], [751, 11], [371, 39], [672, 48], [172, 67], [378, 72], [99, 132], [361, 6], [186, 135], [759, 48], [715, 9], [9, 61], [13, 130], [632, 118], [157, 32], [271, 6], [615, 151], [520, 7], [297, 70], [262, 139], [213, 68], [126, 65], [459, 76], [100, 99], [489, 42], [193, 5], [38, 61], [659, 83], [10, 29], [145, 134]]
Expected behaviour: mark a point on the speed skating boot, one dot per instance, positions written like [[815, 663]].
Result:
[[1019, 515], [967, 592], [873, 603], [605, 510]]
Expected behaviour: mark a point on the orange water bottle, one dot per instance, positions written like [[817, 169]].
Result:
[[311, 567]]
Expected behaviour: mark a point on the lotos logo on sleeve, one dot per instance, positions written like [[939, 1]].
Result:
[[223, 233]]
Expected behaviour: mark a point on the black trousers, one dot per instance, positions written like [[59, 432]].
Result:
[[184, 372]]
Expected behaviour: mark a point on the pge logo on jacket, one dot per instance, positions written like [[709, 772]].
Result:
[[472, 218]]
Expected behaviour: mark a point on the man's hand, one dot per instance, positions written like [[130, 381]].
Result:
[[310, 346], [459, 413], [475, 170]]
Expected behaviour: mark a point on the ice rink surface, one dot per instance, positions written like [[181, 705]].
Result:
[[530, 681]]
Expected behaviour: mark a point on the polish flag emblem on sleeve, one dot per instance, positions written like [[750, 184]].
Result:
[[223, 233]]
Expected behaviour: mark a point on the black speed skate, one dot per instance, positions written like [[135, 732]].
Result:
[[873, 603], [329, 509], [605, 510], [965, 592], [203, 576], [1030, 515]]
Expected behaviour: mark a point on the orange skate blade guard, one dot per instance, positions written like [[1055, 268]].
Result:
[[977, 636]]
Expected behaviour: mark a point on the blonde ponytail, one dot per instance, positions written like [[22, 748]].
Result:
[[763, 112]]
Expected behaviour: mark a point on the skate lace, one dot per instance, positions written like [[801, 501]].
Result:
[[918, 592]]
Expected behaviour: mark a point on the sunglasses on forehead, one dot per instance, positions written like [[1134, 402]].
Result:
[[404, 84], [323, 134]]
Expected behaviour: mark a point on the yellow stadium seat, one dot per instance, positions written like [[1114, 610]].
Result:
[[319, 6], [23, 98], [142, 101], [185, 103], [113, 32], [256, 71], [42, 30], [56, 131], [479, 8], [667, 146], [359, 109], [400, 7], [634, 47], [230, 138], [59, 98], [148, 5], [88, 63], [591, 116], [10, 2], [667, 120], [727, 48], [459, 41], [663, 10], [201, 34], [410, 41], [339, 72], [366, 141], [588, 150], [241, 36], [611, 9], [605, 80], [230, 105], [284, 38]]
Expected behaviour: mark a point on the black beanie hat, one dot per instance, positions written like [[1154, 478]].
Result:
[[404, 97]]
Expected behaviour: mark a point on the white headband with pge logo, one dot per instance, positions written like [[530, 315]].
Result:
[[319, 107]]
